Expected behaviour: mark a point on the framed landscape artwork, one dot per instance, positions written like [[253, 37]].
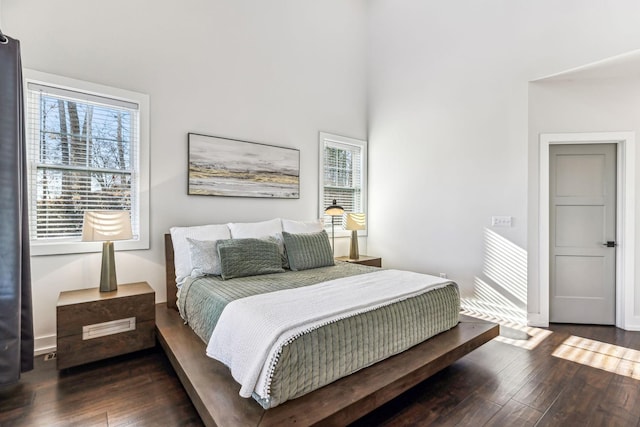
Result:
[[229, 167]]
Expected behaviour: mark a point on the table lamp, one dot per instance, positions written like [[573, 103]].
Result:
[[106, 226], [333, 211], [355, 222]]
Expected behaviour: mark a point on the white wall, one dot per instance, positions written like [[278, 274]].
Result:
[[447, 114], [576, 105], [448, 126], [276, 72]]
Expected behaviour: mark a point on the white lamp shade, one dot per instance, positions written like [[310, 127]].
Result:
[[100, 226], [356, 221]]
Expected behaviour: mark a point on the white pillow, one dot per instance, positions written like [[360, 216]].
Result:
[[256, 230], [182, 257], [204, 257], [301, 227]]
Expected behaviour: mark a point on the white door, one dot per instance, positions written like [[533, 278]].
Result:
[[582, 226]]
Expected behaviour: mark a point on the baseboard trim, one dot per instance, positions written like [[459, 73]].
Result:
[[633, 325], [536, 320], [44, 345]]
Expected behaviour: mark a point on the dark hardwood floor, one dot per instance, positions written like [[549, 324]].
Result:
[[568, 375], [139, 389]]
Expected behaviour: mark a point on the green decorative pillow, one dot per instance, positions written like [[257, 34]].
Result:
[[309, 250], [277, 239], [248, 257]]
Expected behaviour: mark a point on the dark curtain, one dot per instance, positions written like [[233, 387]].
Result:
[[16, 321]]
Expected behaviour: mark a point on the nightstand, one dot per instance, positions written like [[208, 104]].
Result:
[[94, 325], [364, 260]]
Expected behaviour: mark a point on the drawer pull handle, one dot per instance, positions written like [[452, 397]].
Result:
[[108, 328]]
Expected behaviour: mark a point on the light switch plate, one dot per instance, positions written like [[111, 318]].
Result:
[[501, 221]]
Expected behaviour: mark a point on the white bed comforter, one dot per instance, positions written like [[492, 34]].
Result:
[[251, 331]]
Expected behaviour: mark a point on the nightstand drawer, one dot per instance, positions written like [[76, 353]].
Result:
[[93, 325], [374, 262], [363, 260], [71, 318], [73, 350]]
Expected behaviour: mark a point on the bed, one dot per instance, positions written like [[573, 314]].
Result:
[[337, 402]]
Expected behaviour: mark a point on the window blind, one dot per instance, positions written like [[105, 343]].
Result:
[[83, 155], [343, 176]]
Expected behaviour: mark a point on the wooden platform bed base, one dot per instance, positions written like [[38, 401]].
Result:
[[214, 392]]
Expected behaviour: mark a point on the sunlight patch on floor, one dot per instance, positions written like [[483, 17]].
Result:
[[534, 337], [600, 355], [513, 333]]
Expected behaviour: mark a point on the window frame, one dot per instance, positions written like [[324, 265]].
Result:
[[323, 138], [40, 247]]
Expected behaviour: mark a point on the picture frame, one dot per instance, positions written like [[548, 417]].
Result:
[[234, 168]]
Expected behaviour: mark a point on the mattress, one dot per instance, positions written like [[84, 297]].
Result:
[[332, 351]]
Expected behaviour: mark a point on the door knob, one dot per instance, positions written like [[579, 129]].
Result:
[[610, 244]]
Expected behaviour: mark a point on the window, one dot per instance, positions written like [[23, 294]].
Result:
[[87, 149], [343, 174]]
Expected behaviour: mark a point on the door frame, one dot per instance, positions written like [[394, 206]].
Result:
[[625, 220]]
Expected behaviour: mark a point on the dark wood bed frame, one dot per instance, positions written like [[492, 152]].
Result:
[[214, 392]]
